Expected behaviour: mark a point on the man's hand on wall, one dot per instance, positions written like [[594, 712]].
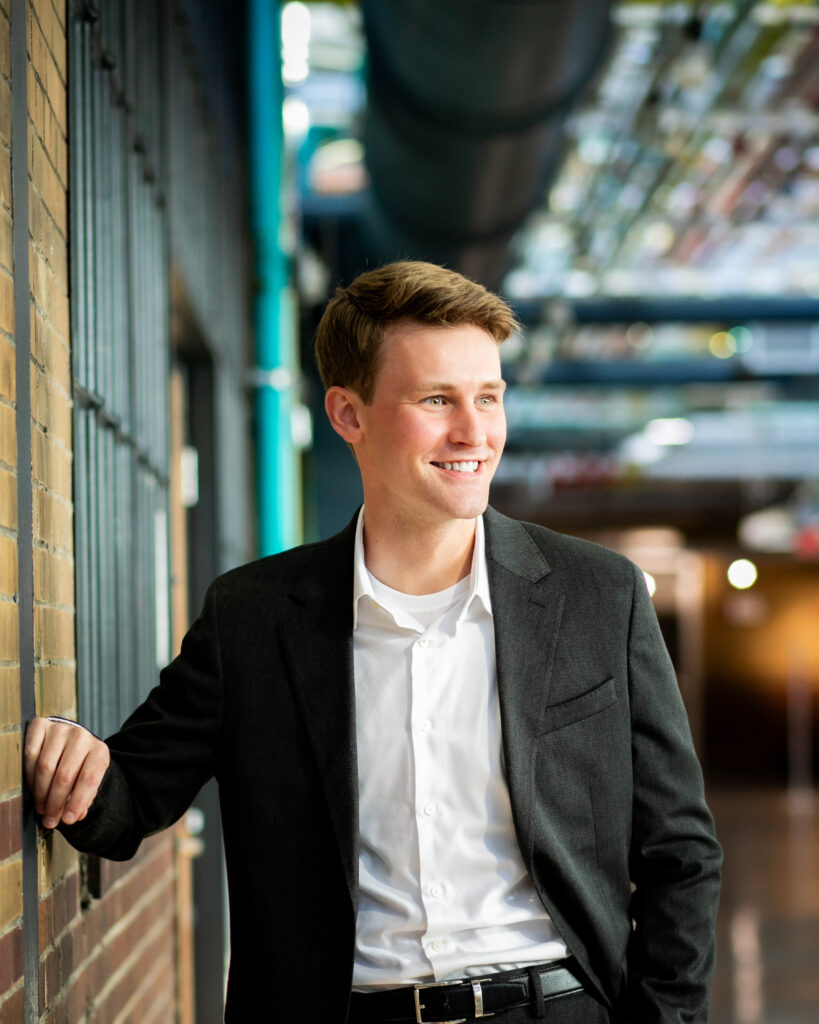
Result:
[[64, 766]]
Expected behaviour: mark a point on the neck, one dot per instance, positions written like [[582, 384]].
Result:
[[417, 560]]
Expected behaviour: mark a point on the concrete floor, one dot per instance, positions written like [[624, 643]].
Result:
[[768, 927]]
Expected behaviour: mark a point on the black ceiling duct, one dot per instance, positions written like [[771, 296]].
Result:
[[466, 104]]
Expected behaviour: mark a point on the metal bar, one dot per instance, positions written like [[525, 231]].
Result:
[[25, 523], [82, 559], [93, 713], [124, 575], [106, 681], [85, 315], [85, 243], [137, 312], [120, 339], [144, 591], [105, 253], [93, 170], [76, 207], [129, 561]]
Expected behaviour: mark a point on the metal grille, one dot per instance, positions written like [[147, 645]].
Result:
[[120, 354]]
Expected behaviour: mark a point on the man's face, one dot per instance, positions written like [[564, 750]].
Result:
[[432, 436]]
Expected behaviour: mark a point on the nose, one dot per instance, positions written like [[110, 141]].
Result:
[[467, 426]]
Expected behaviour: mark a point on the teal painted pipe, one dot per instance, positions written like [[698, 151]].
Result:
[[276, 475]]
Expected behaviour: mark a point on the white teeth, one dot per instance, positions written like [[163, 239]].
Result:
[[460, 467]]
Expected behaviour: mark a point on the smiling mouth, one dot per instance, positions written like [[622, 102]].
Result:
[[459, 467]]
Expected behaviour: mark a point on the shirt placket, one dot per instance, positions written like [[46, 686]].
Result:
[[428, 673]]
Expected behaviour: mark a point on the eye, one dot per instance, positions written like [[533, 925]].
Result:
[[489, 400], [435, 400]]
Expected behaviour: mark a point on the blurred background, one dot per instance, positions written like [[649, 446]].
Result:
[[640, 180]]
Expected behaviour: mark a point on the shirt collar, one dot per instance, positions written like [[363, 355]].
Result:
[[478, 576]]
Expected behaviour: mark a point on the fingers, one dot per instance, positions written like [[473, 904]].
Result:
[[35, 737], [65, 765], [86, 783]]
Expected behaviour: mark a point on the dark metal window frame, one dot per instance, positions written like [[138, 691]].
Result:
[[120, 354]]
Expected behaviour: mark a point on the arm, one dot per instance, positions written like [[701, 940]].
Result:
[[675, 858], [145, 776]]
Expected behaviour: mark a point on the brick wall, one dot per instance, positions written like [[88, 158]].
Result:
[[11, 878], [106, 932], [109, 959]]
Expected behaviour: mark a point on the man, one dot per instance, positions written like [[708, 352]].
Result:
[[450, 746]]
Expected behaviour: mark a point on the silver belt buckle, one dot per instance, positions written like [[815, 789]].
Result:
[[420, 1006], [477, 995]]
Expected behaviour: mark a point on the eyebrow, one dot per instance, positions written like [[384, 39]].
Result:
[[489, 385]]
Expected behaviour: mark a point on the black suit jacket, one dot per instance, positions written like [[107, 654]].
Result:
[[606, 791]]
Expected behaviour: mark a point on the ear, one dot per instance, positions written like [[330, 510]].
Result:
[[342, 406]]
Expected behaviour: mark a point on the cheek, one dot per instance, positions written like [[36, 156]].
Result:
[[394, 431], [415, 434], [498, 433]]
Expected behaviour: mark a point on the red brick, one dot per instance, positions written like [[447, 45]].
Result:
[[125, 882], [51, 977], [59, 909], [76, 943], [155, 998], [152, 950], [57, 1014], [103, 874], [11, 827], [164, 1007], [95, 961], [77, 999], [11, 960], [155, 915], [66, 903], [68, 951], [88, 932], [12, 1009]]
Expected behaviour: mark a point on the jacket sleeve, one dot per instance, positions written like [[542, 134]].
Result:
[[675, 858], [165, 751]]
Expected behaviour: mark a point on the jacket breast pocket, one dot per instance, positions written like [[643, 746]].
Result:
[[592, 702]]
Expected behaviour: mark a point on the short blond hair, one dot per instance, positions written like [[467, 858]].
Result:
[[353, 327]]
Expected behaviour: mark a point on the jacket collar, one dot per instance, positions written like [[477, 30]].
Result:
[[509, 545]]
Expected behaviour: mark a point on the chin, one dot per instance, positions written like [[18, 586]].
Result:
[[469, 510]]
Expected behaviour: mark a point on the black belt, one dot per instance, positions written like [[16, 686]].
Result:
[[452, 1002]]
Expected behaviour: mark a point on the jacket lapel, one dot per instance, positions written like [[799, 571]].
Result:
[[317, 636], [527, 608]]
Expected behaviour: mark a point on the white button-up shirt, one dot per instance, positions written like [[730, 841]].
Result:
[[444, 892]]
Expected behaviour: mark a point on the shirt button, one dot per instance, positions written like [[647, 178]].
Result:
[[436, 891], [429, 809], [425, 726], [438, 946], [423, 642]]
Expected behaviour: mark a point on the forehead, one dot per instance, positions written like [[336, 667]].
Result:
[[412, 351]]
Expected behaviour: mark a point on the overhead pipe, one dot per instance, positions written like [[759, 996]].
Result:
[[466, 105]]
